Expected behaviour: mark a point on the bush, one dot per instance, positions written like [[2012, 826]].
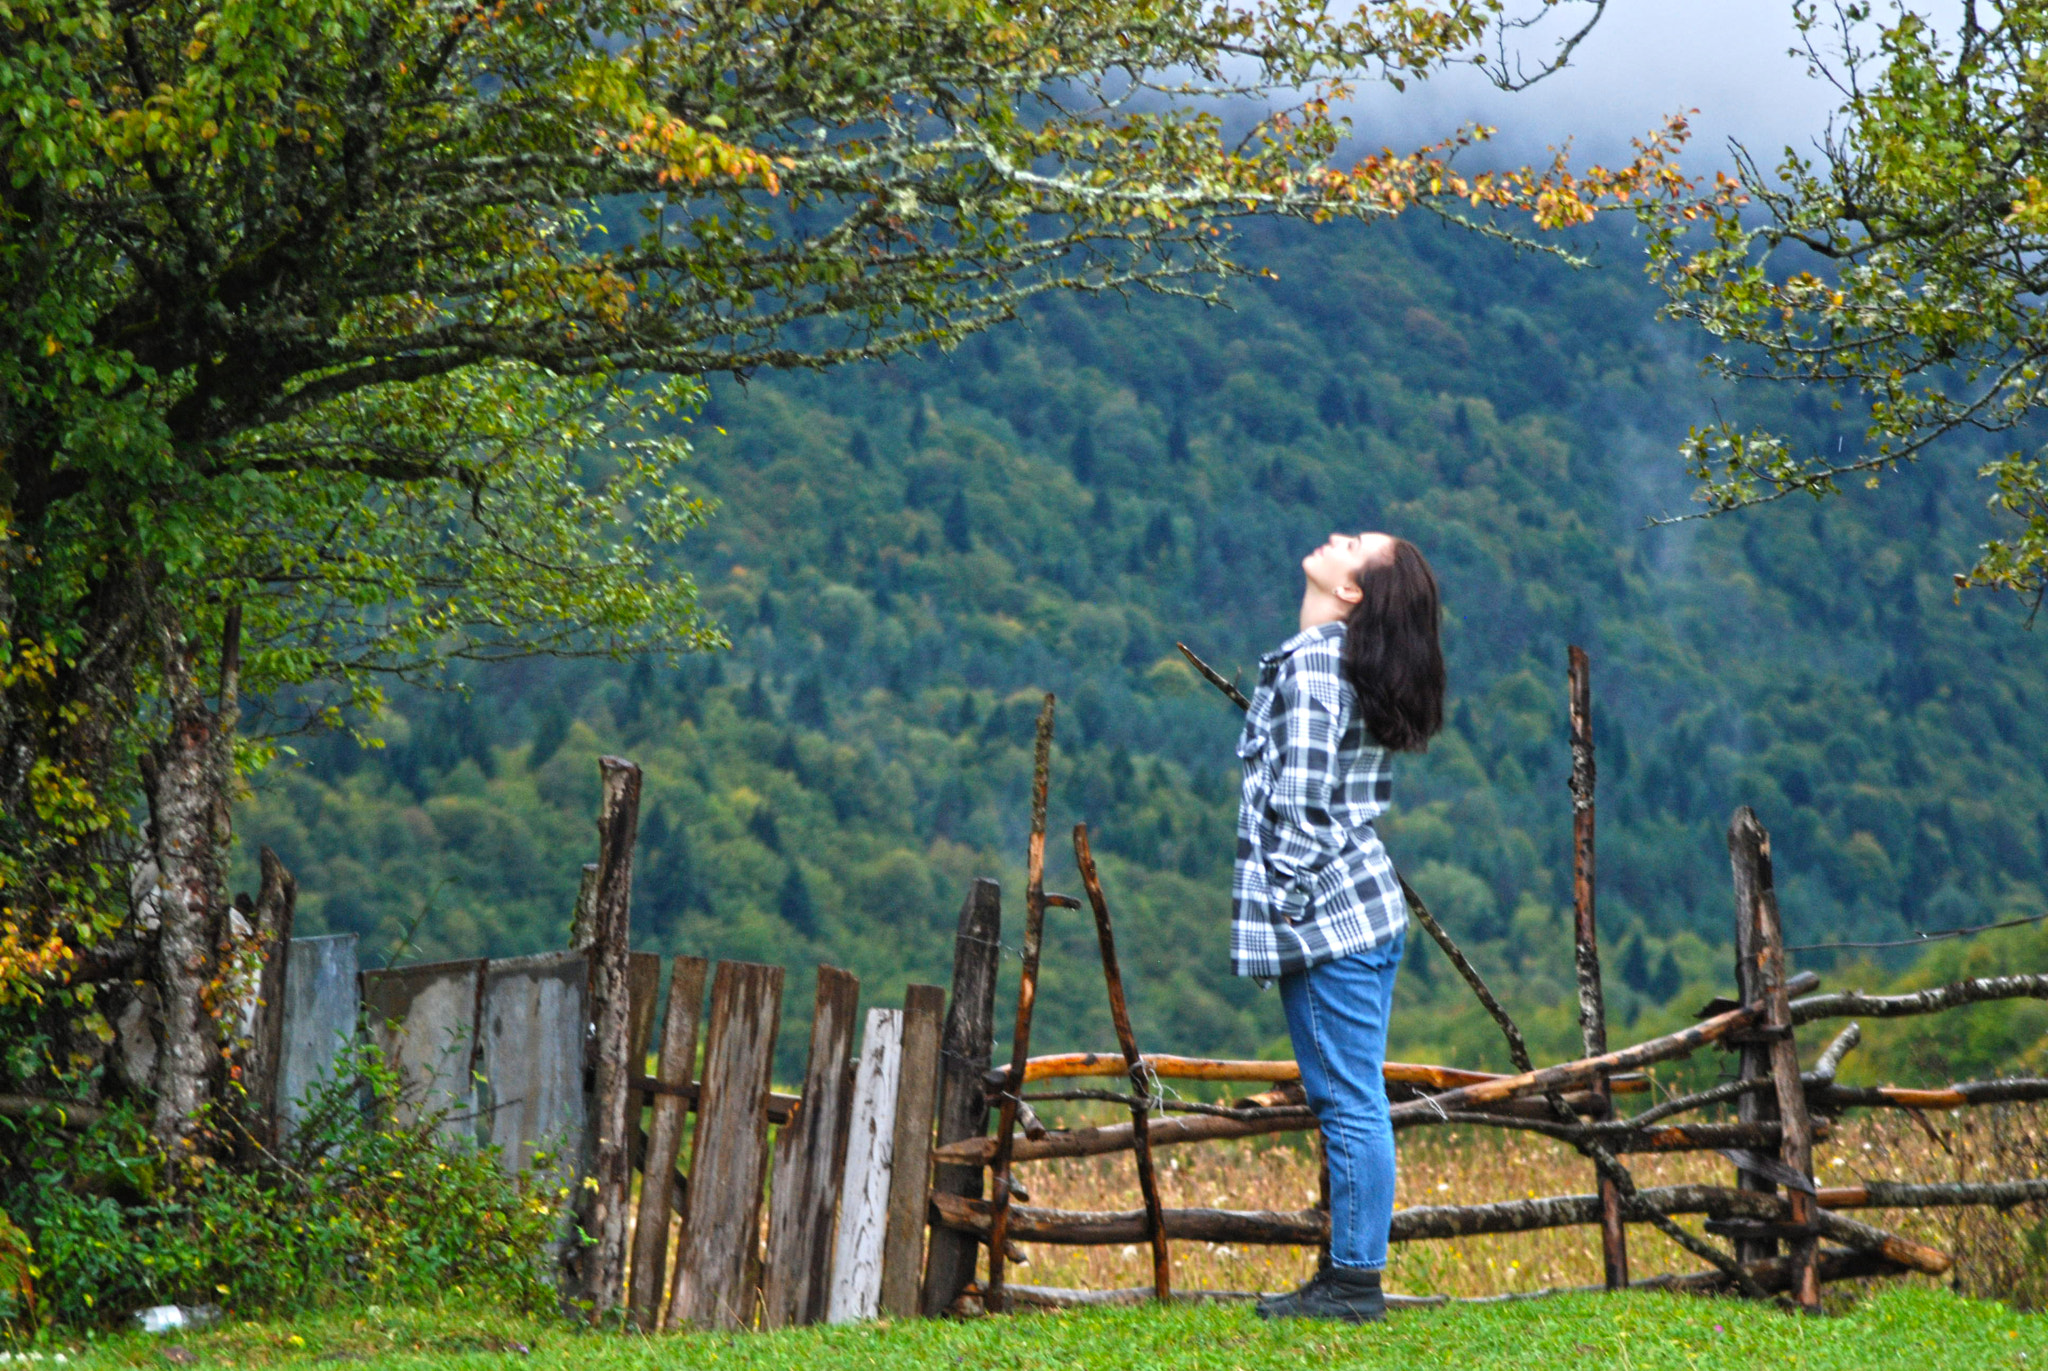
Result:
[[360, 1205]]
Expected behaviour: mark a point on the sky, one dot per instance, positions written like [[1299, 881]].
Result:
[[1645, 59]]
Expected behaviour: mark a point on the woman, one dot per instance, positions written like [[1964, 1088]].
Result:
[[1315, 901]]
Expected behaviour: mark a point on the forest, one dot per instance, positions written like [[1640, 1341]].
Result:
[[904, 556]]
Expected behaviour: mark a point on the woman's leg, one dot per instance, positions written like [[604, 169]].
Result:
[[1337, 1017]]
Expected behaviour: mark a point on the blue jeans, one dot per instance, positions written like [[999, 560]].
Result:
[[1337, 1015]]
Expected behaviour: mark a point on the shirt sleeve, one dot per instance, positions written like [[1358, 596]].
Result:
[[1306, 734]]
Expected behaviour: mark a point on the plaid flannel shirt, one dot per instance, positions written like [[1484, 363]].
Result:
[[1313, 882]]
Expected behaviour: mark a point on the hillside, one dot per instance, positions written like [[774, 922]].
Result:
[[905, 556]]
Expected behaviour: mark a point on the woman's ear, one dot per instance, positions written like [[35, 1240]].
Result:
[[1350, 592]]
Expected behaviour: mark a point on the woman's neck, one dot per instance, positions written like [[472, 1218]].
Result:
[[1319, 607]]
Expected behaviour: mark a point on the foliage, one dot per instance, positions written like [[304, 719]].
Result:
[[1899, 267], [377, 1203], [344, 315], [1647, 1331], [1727, 669]]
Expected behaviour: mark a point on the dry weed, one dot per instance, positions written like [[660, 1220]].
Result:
[[2005, 1255]]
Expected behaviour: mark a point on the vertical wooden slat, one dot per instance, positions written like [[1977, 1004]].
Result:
[[1744, 856], [917, 1098], [726, 1168], [678, 1066], [798, 1269], [1796, 1137], [604, 1264], [1586, 943], [643, 986], [870, 1151], [964, 1049]]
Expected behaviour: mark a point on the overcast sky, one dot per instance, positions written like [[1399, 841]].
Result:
[[1646, 59]]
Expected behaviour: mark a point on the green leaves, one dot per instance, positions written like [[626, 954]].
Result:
[[1902, 271]]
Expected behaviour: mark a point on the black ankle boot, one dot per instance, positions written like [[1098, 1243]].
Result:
[[1347, 1294]]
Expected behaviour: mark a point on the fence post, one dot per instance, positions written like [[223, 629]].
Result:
[[676, 1067], [910, 1176], [1745, 857], [1796, 1135], [1586, 939], [964, 1051], [797, 1274], [604, 1265]]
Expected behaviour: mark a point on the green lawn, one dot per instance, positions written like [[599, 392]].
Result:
[[1924, 1330]]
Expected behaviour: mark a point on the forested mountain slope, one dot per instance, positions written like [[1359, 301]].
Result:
[[905, 556]]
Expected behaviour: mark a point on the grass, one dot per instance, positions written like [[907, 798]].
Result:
[[1924, 1329]]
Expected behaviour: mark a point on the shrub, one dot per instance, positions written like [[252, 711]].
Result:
[[367, 1201]]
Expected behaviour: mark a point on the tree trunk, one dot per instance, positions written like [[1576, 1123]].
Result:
[[188, 777]]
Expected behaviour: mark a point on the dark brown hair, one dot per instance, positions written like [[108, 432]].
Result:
[[1391, 652]]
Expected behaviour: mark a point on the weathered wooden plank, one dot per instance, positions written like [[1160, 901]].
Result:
[[917, 1099], [322, 995], [797, 1271], [423, 1019], [722, 1237], [870, 1150], [965, 1046], [535, 1017], [664, 1139]]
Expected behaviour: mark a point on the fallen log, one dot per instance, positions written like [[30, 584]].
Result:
[[1682, 1043], [1846, 1003]]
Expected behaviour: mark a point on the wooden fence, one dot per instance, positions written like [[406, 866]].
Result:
[[877, 1188]]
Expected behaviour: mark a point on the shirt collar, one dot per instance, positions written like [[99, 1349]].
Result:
[[1333, 629]]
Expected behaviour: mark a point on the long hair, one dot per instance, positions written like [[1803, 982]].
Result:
[[1391, 652]]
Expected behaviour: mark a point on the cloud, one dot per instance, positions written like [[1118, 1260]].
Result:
[[1646, 59]]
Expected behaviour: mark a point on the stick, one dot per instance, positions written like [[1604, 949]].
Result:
[[1956, 1096], [1027, 994], [1677, 1044], [1518, 1050], [1141, 1082], [1843, 1004], [1214, 678]]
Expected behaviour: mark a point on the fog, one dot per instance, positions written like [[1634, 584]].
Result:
[[1727, 59]]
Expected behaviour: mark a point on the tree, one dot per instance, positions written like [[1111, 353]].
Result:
[[1901, 267], [344, 340]]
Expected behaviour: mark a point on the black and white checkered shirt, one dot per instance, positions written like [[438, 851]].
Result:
[[1313, 882]]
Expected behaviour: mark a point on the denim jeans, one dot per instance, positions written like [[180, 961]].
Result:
[[1337, 1016]]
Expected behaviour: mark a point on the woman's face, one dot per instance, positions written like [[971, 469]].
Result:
[[1333, 568]]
